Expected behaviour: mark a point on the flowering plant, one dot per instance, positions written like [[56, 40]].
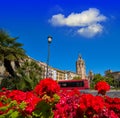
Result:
[[47, 101], [47, 89], [102, 87], [90, 105], [67, 105], [47, 86]]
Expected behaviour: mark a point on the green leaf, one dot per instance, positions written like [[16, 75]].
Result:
[[2, 116], [14, 114], [12, 103], [22, 105], [43, 110], [4, 108], [56, 98]]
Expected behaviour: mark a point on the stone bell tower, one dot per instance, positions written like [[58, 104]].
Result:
[[80, 67]]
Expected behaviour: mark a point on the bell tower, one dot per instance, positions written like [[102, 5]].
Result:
[[80, 67]]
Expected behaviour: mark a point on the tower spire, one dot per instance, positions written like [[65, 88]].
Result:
[[79, 56]]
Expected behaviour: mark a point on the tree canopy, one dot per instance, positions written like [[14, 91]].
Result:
[[10, 50]]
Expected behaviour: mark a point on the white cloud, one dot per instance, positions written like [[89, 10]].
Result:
[[90, 31], [88, 21]]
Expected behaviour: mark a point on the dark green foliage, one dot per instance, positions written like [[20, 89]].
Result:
[[99, 77], [43, 110], [10, 51], [29, 75], [23, 75], [9, 83]]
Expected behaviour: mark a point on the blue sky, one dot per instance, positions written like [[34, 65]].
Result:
[[87, 27]]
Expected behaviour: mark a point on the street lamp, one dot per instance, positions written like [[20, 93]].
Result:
[[49, 41]]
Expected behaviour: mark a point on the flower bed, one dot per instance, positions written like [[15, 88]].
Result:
[[47, 101]]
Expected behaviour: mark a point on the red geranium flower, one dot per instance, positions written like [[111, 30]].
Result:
[[31, 100], [17, 95], [102, 87], [47, 86], [90, 105]]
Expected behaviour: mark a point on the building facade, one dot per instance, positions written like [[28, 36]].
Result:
[[54, 73]]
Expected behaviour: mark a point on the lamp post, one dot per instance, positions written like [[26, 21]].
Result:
[[49, 41]]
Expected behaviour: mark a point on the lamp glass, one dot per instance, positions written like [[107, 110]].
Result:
[[49, 39]]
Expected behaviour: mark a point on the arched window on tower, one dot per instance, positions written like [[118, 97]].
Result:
[[82, 64]]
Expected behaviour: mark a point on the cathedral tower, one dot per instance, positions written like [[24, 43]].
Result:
[[80, 67]]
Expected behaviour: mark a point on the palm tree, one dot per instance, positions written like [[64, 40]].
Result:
[[10, 50], [30, 73]]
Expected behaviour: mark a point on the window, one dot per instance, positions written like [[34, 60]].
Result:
[[72, 84]]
